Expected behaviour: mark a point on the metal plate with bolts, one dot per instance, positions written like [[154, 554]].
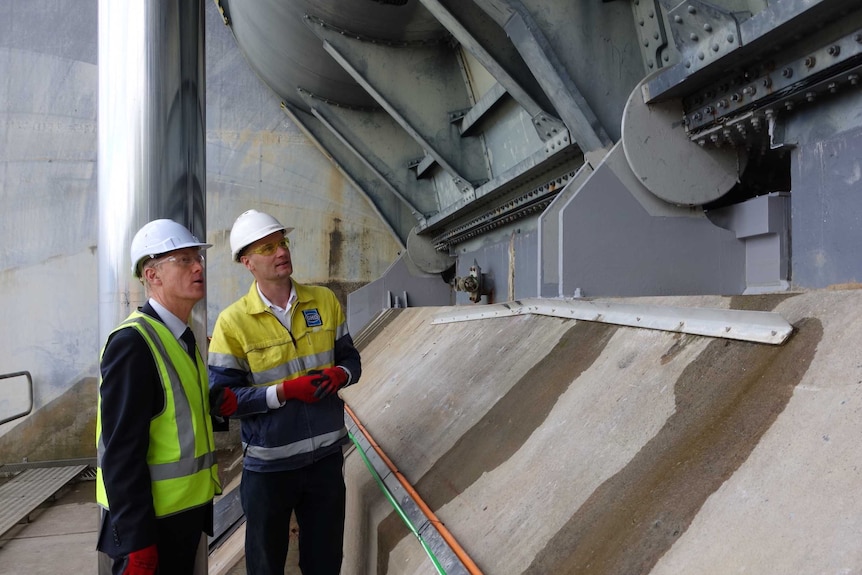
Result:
[[745, 325]]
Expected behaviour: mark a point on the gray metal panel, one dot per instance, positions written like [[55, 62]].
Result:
[[612, 246], [430, 88], [286, 54], [507, 258], [419, 289], [763, 223], [383, 146], [826, 207], [28, 490], [549, 249], [509, 137]]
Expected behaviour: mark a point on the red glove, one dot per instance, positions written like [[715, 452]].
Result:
[[142, 562], [222, 401], [301, 388], [329, 381]]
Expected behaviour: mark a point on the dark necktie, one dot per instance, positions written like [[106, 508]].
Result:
[[189, 338]]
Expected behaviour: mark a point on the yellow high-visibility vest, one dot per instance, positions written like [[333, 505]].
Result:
[[181, 454]]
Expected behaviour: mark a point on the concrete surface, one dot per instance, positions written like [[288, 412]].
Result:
[[60, 537], [553, 446]]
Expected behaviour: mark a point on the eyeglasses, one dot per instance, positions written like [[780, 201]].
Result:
[[183, 261], [270, 248]]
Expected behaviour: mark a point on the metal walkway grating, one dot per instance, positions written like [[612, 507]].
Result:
[[29, 489]]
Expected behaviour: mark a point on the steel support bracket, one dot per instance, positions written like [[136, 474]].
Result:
[[703, 33]]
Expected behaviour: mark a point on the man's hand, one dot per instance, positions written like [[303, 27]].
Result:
[[142, 562], [222, 401], [302, 388], [329, 381]]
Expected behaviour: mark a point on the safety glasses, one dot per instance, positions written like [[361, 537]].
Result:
[[183, 261], [270, 248]]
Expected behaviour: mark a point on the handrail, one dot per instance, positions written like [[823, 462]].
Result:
[[29, 392]]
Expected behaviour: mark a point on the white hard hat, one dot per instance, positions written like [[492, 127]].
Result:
[[159, 237], [249, 227]]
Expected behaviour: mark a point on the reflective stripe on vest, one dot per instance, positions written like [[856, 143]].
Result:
[[295, 448]]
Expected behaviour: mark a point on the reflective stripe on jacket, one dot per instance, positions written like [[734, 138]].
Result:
[[181, 454], [251, 350]]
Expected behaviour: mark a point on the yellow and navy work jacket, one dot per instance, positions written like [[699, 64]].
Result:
[[251, 350], [181, 454]]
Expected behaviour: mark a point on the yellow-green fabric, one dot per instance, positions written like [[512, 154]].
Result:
[[248, 337], [251, 350], [181, 454]]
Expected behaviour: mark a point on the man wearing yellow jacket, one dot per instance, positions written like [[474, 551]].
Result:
[[156, 474], [285, 350]]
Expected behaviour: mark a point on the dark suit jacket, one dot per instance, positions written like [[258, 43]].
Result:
[[132, 394]]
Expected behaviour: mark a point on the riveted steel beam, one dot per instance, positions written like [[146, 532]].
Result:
[[731, 43]]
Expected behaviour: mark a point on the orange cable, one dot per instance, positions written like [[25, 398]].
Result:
[[447, 536]]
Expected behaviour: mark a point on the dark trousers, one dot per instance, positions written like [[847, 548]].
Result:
[[177, 547], [316, 494]]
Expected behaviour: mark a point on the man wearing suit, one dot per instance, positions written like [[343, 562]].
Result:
[[157, 475]]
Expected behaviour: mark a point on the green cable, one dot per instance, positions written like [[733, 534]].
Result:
[[397, 507]]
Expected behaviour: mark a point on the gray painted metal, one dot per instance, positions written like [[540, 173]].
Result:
[[431, 87], [555, 158], [21, 495], [424, 256], [593, 44], [539, 55], [827, 230], [763, 223], [152, 161], [652, 33], [419, 288], [618, 239], [490, 46], [287, 55], [549, 260], [560, 60], [667, 162], [379, 142], [818, 67], [755, 326], [777, 25]]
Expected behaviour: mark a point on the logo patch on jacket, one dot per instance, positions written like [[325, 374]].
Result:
[[312, 318]]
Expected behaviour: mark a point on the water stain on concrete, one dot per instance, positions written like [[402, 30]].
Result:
[[336, 250], [504, 428], [726, 399], [763, 302]]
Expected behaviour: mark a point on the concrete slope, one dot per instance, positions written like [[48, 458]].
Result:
[[554, 446]]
